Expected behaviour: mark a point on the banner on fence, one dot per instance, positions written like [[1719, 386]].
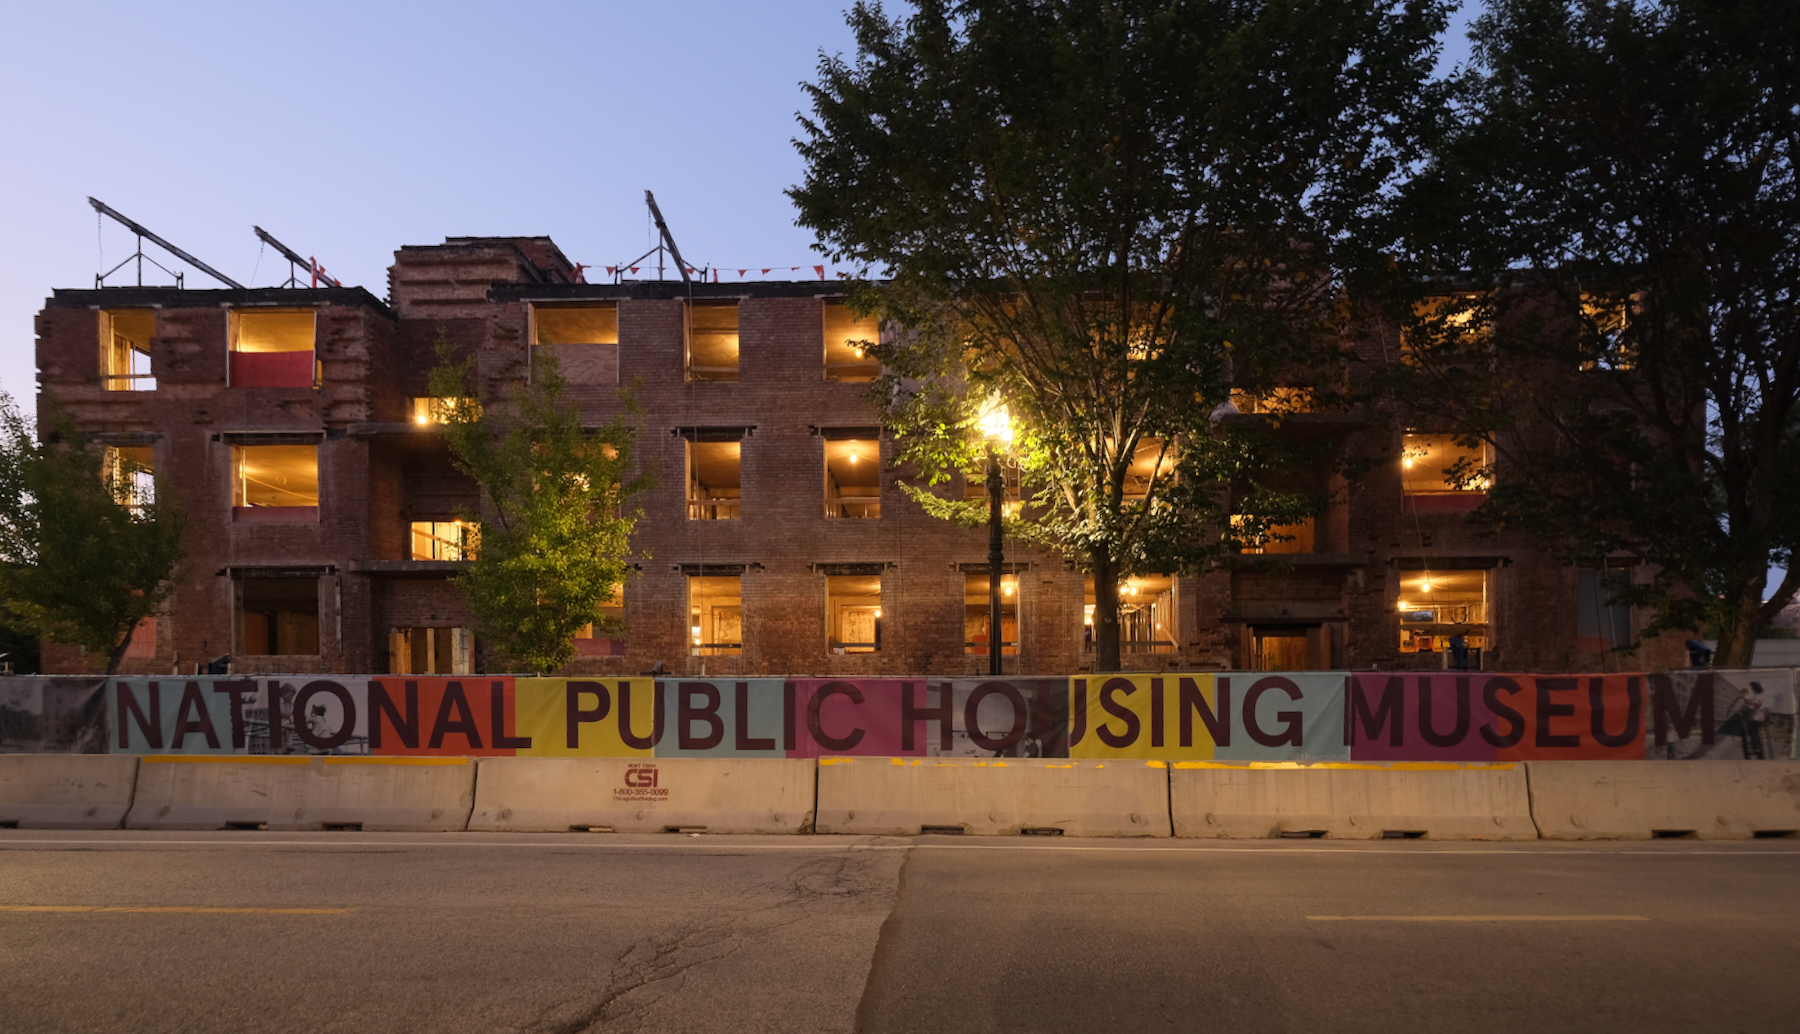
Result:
[[1232, 716], [52, 716]]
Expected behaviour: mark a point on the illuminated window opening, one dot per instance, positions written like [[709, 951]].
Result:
[[977, 620], [1281, 648], [591, 642], [445, 540], [1451, 322], [274, 348], [1436, 465], [425, 411], [1299, 537], [1149, 461], [431, 651], [278, 616], [1605, 322], [853, 613], [853, 478], [125, 349], [275, 482], [1146, 615], [1275, 401], [715, 615], [714, 483], [131, 471], [583, 338], [847, 337], [1435, 605], [712, 341]]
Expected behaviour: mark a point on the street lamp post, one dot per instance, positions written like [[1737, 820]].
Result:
[[996, 488], [996, 426]]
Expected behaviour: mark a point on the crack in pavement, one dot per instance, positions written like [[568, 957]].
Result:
[[654, 969]]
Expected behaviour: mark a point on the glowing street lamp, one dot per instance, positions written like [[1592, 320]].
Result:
[[996, 426]]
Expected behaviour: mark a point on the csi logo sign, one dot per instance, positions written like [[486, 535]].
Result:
[[641, 784]]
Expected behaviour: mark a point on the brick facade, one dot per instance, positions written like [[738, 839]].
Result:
[[378, 471]]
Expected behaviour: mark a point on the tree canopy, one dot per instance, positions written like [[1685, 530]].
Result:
[[556, 519], [85, 553], [1616, 188], [1106, 216]]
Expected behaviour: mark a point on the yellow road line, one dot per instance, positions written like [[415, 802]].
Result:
[[196, 909], [1482, 919]]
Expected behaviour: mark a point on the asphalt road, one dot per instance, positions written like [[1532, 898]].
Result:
[[205, 932]]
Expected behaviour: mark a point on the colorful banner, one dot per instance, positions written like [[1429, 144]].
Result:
[[1228, 716]]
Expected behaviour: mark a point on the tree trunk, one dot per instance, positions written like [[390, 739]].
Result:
[[1106, 612], [118, 652], [1738, 631]]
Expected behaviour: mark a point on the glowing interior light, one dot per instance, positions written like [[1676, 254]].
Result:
[[422, 419], [1007, 589], [877, 611], [1426, 584], [1409, 463]]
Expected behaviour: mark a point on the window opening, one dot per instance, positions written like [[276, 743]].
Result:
[[278, 616], [1439, 475], [131, 472], [584, 339], [1435, 605], [591, 642], [275, 481], [1149, 461], [977, 621], [1146, 615], [853, 613], [444, 540], [847, 337], [712, 341], [274, 348], [431, 651], [1299, 537], [1279, 401], [714, 486], [853, 478], [1604, 324], [125, 349], [424, 410], [715, 615]]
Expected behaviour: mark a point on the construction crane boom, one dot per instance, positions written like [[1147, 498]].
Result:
[[663, 228], [165, 245], [312, 267]]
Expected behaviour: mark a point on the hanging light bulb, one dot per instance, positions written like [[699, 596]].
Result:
[[1427, 583]]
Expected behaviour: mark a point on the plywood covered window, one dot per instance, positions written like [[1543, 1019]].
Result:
[[278, 616], [714, 484], [431, 651], [852, 477], [977, 617], [847, 339], [1440, 474], [125, 349], [444, 540], [275, 482], [584, 339], [1435, 605], [715, 615], [592, 641], [712, 352], [273, 348], [853, 613]]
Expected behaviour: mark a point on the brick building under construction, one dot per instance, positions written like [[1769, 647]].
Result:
[[292, 426]]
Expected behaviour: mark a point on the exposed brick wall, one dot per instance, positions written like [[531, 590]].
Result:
[[377, 473]]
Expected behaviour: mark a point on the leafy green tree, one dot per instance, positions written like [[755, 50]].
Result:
[[1618, 178], [555, 526], [83, 557], [1105, 216]]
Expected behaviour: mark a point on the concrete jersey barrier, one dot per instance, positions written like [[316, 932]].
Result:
[[1355, 801], [994, 796], [647, 795], [400, 794], [1638, 800], [66, 791]]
